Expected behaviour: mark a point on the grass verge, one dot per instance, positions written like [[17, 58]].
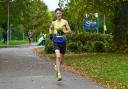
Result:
[[14, 42], [110, 70]]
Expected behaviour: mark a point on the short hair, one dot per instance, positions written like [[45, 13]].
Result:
[[58, 9]]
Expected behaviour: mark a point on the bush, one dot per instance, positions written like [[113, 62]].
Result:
[[72, 47], [84, 37], [85, 42], [83, 48], [99, 46], [49, 48]]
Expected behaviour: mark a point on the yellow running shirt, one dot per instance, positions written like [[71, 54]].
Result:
[[58, 26]]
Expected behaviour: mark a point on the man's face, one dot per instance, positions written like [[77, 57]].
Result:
[[58, 14]]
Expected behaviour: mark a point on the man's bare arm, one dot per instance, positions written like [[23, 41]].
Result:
[[67, 29]]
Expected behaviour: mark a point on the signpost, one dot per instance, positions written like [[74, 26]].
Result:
[[8, 21]]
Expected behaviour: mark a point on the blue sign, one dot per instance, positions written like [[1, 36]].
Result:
[[91, 24]]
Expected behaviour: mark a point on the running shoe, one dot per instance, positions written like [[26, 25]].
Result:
[[59, 78]]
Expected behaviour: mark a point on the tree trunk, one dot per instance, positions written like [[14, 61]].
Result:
[[120, 32]]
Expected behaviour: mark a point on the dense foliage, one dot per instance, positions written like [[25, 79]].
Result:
[[115, 12], [85, 42], [26, 14]]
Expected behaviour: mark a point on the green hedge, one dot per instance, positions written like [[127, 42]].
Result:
[[84, 37], [99, 46], [85, 42], [89, 41], [49, 48]]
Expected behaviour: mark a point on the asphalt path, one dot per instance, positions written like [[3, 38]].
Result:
[[20, 68]]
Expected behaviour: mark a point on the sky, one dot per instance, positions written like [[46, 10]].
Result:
[[52, 4]]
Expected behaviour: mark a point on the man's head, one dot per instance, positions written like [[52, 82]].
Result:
[[58, 13]]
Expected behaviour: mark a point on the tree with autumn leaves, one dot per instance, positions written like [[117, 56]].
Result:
[[115, 12], [26, 14], [37, 18]]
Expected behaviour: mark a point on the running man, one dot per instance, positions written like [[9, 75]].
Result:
[[59, 28]]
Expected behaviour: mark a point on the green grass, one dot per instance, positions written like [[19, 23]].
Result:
[[105, 68], [13, 43]]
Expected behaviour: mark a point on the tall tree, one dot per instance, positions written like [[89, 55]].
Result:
[[36, 17], [120, 31], [114, 10], [28, 14]]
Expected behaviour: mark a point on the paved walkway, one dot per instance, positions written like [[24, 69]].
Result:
[[20, 68]]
